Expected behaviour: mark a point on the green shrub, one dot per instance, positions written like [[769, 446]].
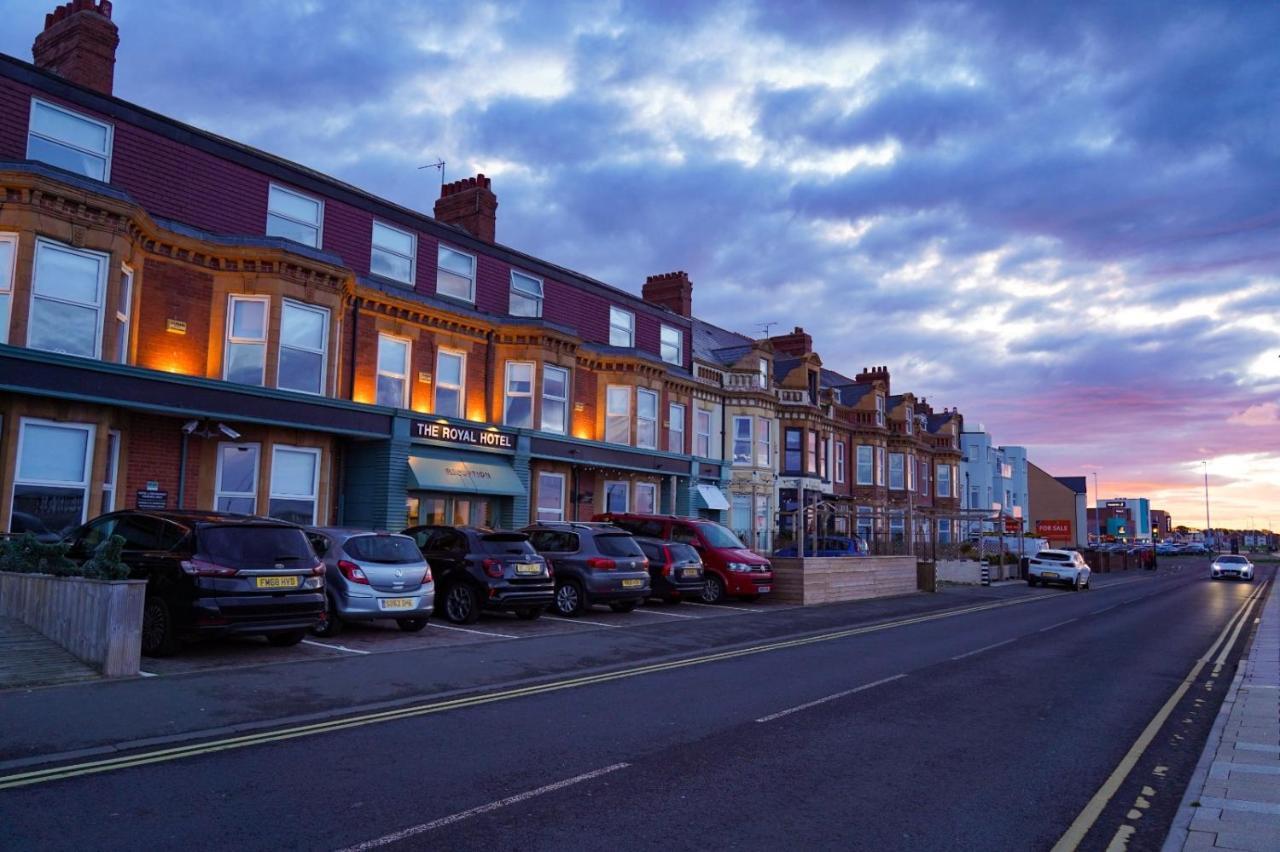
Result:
[[106, 564], [28, 555]]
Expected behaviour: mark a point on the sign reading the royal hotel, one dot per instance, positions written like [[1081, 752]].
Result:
[[469, 435]]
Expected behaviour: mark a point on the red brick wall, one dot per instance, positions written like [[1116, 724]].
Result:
[[177, 292], [153, 447]]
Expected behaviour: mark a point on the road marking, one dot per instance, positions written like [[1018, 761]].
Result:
[[721, 606], [1104, 609], [986, 648], [1222, 658], [806, 706], [334, 647], [578, 621], [1076, 832], [667, 614], [405, 834], [147, 674], [1059, 624], [75, 770], [468, 630]]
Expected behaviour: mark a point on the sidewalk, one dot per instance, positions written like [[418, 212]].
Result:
[[1237, 782], [29, 659]]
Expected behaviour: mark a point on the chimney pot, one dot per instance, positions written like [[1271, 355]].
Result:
[[671, 290], [79, 43], [470, 204]]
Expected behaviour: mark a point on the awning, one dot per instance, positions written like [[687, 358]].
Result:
[[458, 473], [712, 498]]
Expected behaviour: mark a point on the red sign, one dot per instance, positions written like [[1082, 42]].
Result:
[[1012, 526], [1054, 530]]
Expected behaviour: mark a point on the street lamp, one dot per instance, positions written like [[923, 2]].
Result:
[[1097, 511], [1208, 528]]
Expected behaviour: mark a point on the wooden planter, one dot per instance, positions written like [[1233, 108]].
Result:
[[99, 621], [820, 580]]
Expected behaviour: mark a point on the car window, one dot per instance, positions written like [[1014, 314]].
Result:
[[650, 550], [653, 529], [96, 532], [171, 535], [383, 549], [718, 536], [554, 541], [255, 546], [1232, 559], [139, 532], [319, 543], [448, 541], [618, 544], [684, 534], [505, 544], [682, 553], [1046, 556]]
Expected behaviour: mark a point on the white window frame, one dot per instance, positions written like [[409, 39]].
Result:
[[318, 224], [6, 285], [879, 410], [471, 296], [218, 493], [315, 478], [750, 438], [111, 481], [675, 426], [924, 477], [626, 495], [764, 373], [323, 351], [461, 387], [840, 460], [516, 293], [910, 466], [902, 483], [764, 442], [938, 478], [103, 261], [105, 156], [700, 437], [614, 415], [657, 417], [652, 488], [91, 432], [910, 420], [542, 514], [881, 470], [378, 372], [563, 401], [230, 340], [627, 328], [508, 394], [412, 257], [124, 317], [665, 345], [870, 461]]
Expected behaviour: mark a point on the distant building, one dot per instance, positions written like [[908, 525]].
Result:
[[1057, 508], [1122, 518], [1161, 525], [994, 478]]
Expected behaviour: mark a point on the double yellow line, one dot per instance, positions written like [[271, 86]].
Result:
[[41, 776]]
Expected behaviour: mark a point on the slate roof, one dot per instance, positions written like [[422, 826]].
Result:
[[718, 345]]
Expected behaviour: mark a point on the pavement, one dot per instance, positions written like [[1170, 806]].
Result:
[[27, 658], [1233, 801]]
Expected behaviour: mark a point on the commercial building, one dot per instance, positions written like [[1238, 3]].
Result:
[[1122, 518]]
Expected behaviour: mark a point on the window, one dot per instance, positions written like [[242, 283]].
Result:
[[924, 478], [740, 516], [622, 325], [864, 464], [646, 498], [615, 497], [742, 440], [393, 371], [791, 450], [550, 496], [295, 481], [113, 472], [909, 462], [246, 356], [304, 342], [66, 300], [811, 452], [526, 295], [702, 432], [879, 410], [555, 399], [839, 461], [449, 385], [456, 274], [617, 421], [764, 373], [897, 475], [294, 216], [8, 259], [764, 442], [672, 345], [394, 253], [824, 450], [646, 419], [879, 465], [124, 310], [897, 530], [910, 420], [944, 480], [944, 531], [51, 488], [237, 479], [675, 428], [69, 140], [517, 407], [865, 524]]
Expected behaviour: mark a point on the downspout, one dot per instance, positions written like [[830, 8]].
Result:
[[182, 472], [351, 355], [488, 373]]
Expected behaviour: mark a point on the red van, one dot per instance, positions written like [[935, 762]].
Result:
[[729, 567]]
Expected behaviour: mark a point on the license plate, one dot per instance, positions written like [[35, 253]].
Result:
[[1052, 575], [396, 603], [632, 584], [276, 582], [528, 568], [763, 589], [689, 572]]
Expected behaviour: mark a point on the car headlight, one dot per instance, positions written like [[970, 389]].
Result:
[[739, 567]]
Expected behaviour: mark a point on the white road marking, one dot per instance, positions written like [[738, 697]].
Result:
[[334, 647], [468, 630], [413, 831], [720, 606], [806, 706], [985, 648], [658, 612], [1059, 624], [146, 674], [578, 621], [1104, 609]]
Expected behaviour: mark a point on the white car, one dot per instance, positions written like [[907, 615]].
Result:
[[1066, 567], [1230, 565]]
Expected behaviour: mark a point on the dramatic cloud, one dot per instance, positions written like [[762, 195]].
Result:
[[1061, 218]]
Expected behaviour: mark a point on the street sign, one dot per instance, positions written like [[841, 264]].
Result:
[[1012, 526]]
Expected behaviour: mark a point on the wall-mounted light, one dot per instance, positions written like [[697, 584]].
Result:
[[174, 326]]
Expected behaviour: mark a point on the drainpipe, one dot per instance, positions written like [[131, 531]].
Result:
[[489, 358], [355, 341], [182, 472]]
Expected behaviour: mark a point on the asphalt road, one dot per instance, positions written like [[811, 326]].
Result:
[[989, 729]]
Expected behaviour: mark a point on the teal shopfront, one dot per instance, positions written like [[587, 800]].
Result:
[[448, 486]]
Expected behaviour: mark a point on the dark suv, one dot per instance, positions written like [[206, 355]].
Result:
[[675, 569], [477, 568], [211, 574], [593, 563]]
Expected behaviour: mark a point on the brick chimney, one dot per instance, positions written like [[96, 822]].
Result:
[[873, 374], [671, 290], [796, 343], [471, 204], [79, 43]]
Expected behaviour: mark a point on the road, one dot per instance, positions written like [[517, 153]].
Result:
[[990, 725]]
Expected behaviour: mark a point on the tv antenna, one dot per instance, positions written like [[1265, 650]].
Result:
[[765, 326], [439, 164]]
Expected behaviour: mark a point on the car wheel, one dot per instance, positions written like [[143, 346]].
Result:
[[411, 625], [529, 613], [570, 599], [1076, 585], [712, 589], [330, 624], [624, 606], [286, 640], [462, 604], [159, 639]]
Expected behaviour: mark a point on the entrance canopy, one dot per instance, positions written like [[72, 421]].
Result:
[[464, 472], [712, 497]]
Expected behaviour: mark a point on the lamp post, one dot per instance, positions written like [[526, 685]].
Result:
[[1097, 511], [1208, 527]]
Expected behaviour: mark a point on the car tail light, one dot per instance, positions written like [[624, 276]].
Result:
[[352, 572], [666, 564], [599, 563], [493, 568], [426, 578], [201, 568]]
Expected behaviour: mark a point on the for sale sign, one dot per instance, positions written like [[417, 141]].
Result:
[[1054, 530]]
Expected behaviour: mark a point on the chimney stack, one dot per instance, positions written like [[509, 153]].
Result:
[[470, 204], [874, 374], [671, 290], [79, 43], [796, 343]]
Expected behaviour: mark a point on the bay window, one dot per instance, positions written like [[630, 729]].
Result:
[[811, 452], [879, 410], [702, 432], [742, 440], [910, 464], [864, 465], [617, 421], [555, 399], [8, 261], [295, 482], [124, 313], [51, 482], [304, 345], [897, 471], [910, 420], [245, 359], [764, 442], [943, 478], [879, 465], [675, 428], [66, 300], [792, 453], [517, 407], [646, 419], [393, 371], [450, 382], [839, 461]]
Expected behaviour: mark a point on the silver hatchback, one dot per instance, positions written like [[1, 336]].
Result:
[[372, 575]]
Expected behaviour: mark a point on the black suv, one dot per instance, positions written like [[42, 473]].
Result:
[[212, 574], [593, 563], [477, 568], [675, 569]]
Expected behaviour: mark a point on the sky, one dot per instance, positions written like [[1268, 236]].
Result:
[[1061, 218]]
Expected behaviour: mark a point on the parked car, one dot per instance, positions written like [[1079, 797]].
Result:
[[828, 546], [477, 568], [729, 567], [370, 575], [1194, 549], [592, 563], [1231, 565], [212, 574], [1064, 567], [675, 570]]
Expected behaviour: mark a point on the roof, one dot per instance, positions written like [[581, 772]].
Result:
[[719, 345], [937, 421], [1078, 484], [849, 391]]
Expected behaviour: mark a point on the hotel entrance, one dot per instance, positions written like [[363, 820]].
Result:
[[449, 509]]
